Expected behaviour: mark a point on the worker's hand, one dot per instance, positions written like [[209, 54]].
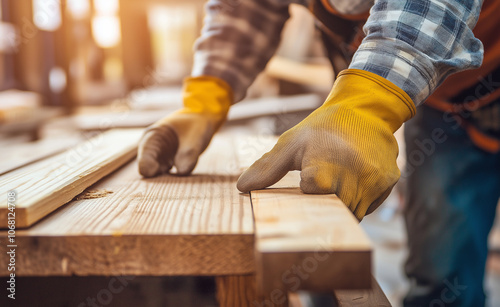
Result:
[[179, 139], [345, 147]]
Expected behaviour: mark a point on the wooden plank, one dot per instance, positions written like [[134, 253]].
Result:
[[309, 242], [131, 254], [18, 155], [168, 225], [29, 124], [44, 186], [274, 106], [18, 106], [171, 225], [319, 75], [121, 117], [362, 298], [241, 291]]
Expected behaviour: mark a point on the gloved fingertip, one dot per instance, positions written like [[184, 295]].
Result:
[[185, 164], [148, 166], [242, 185], [185, 170], [249, 181], [156, 150], [265, 172]]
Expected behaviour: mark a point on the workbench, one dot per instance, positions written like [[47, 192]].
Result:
[[201, 225]]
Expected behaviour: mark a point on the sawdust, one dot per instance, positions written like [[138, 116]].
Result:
[[92, 194]]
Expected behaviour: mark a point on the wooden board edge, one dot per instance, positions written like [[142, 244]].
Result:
[[74, 190], [313, 271], [27, 216], [140, 255], [362, 298]]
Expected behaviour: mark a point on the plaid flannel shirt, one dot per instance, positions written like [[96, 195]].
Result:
[[415, 44]]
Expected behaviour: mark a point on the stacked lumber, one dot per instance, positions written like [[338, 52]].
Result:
[[120, 116], [18, 106], [14, 156], [191, 225], [46, 185], [128, 225]]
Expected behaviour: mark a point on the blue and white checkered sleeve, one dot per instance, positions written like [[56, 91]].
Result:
[[416, 44], [238, 39]]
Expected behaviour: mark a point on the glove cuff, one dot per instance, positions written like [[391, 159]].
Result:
[[376, 96], [207, 94]]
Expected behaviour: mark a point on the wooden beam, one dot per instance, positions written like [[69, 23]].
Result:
[[362, 298], [241, 291], [128, 225], [130, 254], [44, 186], [200, 225], [308, 242]]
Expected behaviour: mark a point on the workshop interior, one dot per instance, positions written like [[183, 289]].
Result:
[[82, 82]]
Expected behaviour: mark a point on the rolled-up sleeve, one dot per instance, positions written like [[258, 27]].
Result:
[[416, 44], [238, 39]]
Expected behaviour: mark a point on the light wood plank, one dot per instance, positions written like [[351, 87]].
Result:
[[44, 186], [168, 225], [320, 75], [309, 242], [92, 119], [18, 155]]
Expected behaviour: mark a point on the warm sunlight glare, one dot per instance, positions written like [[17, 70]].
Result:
[[79, 9], [47, 14], [106, 7], [106, 31]]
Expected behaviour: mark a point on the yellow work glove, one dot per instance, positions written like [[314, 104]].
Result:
[[179, 139], [345, 147]]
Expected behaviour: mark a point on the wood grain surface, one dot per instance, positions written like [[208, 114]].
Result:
[[310, 242], [18, 155], [168, 225], [241, 291], [48, 184], [201, 225]]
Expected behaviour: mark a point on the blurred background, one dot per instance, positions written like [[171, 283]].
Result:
[[73, 68], [93, 60]]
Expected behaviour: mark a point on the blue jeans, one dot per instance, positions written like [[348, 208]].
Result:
[[452, 194]]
